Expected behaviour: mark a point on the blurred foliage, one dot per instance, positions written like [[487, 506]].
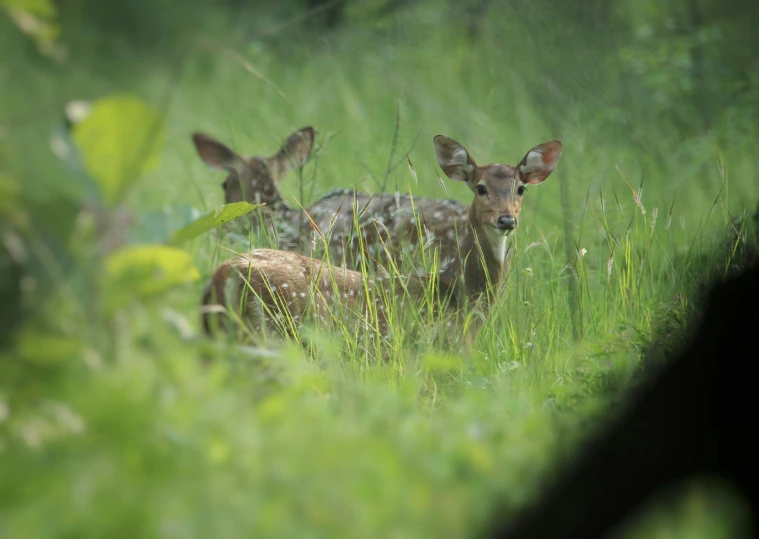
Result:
[[160, 225], [120, 139], [137, 272], [688, 59], [108, 146], [39, 20], [693, 56]]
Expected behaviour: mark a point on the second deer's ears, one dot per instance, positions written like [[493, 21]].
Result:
[[214, 153], [453, 158], [296, 150], [540, 162]]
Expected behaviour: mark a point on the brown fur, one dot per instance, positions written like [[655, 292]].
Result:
[[286, 283]]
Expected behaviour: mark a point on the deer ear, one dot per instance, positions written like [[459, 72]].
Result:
[[540, 162], [454, 159], [295, 151], [214, 153]]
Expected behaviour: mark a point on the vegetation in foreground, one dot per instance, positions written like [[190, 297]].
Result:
[[110, 423]]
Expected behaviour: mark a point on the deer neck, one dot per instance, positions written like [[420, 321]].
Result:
[[282, 208], [277, 219], [482, 258]]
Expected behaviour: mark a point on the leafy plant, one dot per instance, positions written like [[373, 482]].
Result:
[[120, 139], [211, 220], [139, 272]]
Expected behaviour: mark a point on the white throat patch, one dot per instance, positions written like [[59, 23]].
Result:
[[498, 243]]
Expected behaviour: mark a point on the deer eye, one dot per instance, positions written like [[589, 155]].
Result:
[[481, 190], [521, 190]]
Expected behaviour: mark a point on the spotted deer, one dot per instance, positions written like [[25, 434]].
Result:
[[271, 288], [388, 224]]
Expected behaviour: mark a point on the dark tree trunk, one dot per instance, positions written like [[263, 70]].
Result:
[[697, 418]]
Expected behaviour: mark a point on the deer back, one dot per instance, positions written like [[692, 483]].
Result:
[[382, 227]]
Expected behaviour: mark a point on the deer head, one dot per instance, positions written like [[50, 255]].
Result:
[[255, 179], [498, 189]]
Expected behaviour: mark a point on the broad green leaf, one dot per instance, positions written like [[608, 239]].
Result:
[[144, 271], [213, 219], [119, 140]]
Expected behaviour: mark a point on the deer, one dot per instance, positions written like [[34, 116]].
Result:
[[384, 221], [275, 289]]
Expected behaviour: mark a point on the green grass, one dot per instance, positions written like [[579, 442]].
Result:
[[113, 426]]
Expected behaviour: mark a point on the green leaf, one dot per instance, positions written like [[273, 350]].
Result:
[[213, 219], [119, 140], [144, 271]]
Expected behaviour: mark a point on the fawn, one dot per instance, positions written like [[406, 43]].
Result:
[[275, 289], [384, 220]]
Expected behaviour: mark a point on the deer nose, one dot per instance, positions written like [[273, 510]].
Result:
[[507, 222]]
